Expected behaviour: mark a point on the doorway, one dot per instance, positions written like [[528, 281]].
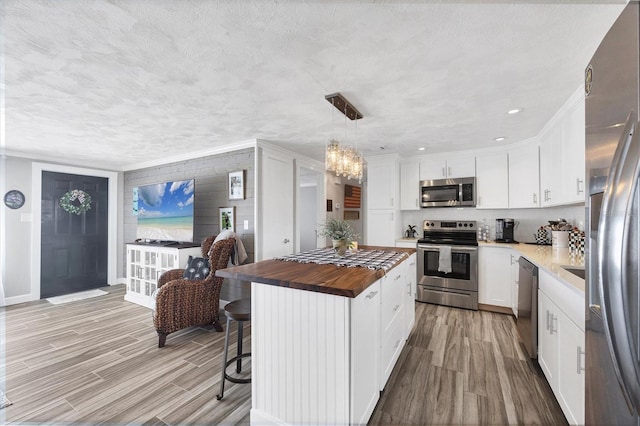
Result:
[[310, 196], [74, 233]]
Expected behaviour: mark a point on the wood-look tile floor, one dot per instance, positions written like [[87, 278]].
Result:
[[465, 367], [97, 361]]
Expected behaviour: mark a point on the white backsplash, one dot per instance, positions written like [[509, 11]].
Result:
[[529, 220]]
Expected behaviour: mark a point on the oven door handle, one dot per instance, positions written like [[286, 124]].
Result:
[[457, 249]]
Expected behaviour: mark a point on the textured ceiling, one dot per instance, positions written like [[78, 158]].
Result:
[[114, 83]]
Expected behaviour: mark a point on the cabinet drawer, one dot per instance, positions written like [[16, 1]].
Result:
[[393, 289], [569, 299], [392, 344]]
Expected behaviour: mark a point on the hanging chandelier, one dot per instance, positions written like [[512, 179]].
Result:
[[347, 162]]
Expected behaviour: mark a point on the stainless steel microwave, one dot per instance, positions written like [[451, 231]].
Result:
[[459, 192]]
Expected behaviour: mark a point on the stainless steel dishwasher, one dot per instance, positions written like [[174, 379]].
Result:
[[527, 321]]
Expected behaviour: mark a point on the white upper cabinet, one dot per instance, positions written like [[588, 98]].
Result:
[[382, 183], [443, 168], [492, 181], [562, 155], [383, 222], [524, 176], [410, 186], [551, 150], [573, 129]]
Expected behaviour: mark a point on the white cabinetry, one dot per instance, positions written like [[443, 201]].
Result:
[[145, 264], [547, 338], [495, 276], [459, 166], [392, 330], [551, 155], [365, 338], [383, 223], [524, 176], [410, 186], [492, 181], [561, 343], [562, 155], [573, 134], [515, 285], [382, 182], [410, 294], [382, 227]]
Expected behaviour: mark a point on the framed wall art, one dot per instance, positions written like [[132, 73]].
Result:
[[227, 219], [236, 185]]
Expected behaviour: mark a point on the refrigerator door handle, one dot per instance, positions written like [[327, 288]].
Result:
[[612, 244]]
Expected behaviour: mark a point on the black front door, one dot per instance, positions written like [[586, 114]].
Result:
[[74, 245]]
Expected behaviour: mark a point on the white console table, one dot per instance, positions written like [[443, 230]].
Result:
[[145, 264]]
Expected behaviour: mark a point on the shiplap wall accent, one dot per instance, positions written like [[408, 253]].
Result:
[[304, 379], [210, 174]]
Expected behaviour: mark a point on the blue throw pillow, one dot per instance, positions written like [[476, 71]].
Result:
[[197, 268]]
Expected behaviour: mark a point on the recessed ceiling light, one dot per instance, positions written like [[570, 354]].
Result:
[[421, 148], [500, 139], [514, 111]]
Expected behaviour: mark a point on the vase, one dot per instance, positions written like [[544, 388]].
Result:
[[340, 247]]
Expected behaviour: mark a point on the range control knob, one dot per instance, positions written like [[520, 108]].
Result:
[[466, 224], [432, 224], [459, 225], [471, 225]]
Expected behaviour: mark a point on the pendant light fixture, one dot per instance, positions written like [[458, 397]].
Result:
[[347, 162]]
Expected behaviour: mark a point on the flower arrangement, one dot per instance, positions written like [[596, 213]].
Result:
[[76, 201]]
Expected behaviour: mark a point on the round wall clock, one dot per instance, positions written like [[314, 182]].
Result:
[[14, 199]]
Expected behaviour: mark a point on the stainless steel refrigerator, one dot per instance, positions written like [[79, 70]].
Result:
[[612, 83]]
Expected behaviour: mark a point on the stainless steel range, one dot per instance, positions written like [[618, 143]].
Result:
[[448, 264]]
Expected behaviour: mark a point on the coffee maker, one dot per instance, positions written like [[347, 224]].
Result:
[[504, 230]]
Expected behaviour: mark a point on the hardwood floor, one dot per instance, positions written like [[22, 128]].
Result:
[[97, 361]]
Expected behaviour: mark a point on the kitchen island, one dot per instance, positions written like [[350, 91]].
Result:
[[324, 338]]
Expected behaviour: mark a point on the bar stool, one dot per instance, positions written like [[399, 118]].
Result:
[[239, 311]]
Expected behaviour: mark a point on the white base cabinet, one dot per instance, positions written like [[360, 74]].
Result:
[[410, 294], [145, 264], [392, 316], [561, 343], [322, 359], [495, 276]]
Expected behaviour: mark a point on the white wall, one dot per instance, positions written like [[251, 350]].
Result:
[[16, 229], [530, 219]]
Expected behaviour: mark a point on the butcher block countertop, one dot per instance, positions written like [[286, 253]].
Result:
[[330, 279]]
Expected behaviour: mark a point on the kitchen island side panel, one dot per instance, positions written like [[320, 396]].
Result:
[[300, 356]]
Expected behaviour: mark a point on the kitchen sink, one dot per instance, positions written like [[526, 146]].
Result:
[[577, 272]]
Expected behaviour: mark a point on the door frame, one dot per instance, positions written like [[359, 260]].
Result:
[[36, 226], [317, 167]]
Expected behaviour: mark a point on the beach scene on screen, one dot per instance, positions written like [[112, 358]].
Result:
[[165, 211]]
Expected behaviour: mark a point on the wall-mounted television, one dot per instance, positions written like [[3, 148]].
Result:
[[165, 211]]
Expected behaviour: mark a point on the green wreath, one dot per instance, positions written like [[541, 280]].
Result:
[[76, 201]]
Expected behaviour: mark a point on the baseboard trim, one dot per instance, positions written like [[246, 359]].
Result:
[[496, 309]]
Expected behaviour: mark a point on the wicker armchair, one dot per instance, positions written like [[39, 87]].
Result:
[[182, 303]]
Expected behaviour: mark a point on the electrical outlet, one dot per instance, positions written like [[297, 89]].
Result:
[[246, 225]]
